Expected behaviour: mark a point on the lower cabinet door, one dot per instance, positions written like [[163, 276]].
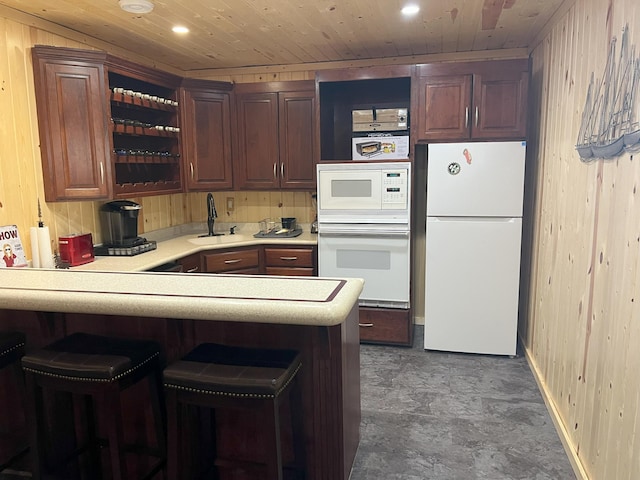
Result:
[[386, 325]]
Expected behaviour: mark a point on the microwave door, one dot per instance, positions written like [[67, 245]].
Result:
[[349, 190]]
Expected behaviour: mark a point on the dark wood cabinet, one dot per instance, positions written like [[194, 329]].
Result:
[[191, 263], [275, 136], [386, 326], [473, 101], [145, 130], [72, 116], [292, 260], [444, 107], [235, 260], [108, 127], [206, 127], [297, 261], [367, 88]]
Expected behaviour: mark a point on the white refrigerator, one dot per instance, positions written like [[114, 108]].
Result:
[[473, 238]]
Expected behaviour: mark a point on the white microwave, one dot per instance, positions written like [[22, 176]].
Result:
[[364, 192]]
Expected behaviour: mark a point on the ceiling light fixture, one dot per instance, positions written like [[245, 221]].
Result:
[[180, 29], [410, 10], [136, 6]]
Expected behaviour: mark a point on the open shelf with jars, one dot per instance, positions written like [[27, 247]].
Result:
[[145, 136]]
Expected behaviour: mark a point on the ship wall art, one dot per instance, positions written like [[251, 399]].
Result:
[[610, 123]]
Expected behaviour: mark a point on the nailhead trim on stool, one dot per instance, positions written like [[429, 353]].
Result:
[[220, 376], [99, 368]]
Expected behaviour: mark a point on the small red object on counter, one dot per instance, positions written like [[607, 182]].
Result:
[[76, 249]]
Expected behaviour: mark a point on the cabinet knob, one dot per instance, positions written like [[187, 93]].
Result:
[[275, 170], [466, 117], [191, 167], [101, 173], [477, 116]]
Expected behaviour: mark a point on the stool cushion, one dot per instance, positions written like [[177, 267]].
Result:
[[11, 347], [233, 371], [81, 356]]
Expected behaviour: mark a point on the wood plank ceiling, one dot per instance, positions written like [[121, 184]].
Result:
[[242, 33]]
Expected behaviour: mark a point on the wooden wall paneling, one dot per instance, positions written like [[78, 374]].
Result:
[[16, 147], [275, 204], [582, 314], [563, 227], [620, 267], [241, 206]]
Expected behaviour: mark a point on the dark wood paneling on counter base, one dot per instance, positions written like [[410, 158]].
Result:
[[330, 375]]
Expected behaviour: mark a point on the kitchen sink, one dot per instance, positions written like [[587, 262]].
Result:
[[219, 239]]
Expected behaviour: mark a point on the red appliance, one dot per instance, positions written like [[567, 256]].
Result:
[[76, 249]]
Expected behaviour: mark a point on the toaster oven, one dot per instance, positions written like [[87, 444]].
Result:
[[369, 148]]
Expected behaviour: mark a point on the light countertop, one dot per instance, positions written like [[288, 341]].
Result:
[[120, 286], [180, 242]]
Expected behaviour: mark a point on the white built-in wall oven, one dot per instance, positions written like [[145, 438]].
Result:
[[364, 228]]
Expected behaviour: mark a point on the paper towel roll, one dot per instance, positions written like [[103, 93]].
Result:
[[44, 246], [35, 251]]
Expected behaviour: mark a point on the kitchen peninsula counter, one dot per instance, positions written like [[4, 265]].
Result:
[[308, 301], [316, 316]]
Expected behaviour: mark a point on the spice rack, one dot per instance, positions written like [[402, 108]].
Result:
[[145, 135]]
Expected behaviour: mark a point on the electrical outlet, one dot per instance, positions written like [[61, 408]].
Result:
[[230, 204]]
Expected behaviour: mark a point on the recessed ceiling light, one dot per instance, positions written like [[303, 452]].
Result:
[[136, 6], [180, 29], [410, 10]]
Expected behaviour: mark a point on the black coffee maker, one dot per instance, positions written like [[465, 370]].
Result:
[[119, 220], [120, 223]]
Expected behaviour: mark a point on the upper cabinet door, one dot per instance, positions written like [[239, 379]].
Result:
[[473, 101], [256, 160], [444, 108], [207, 139], [71, 99], [500, 109], [297, 129]]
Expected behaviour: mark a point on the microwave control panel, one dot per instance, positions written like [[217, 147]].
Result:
[[395, 189]]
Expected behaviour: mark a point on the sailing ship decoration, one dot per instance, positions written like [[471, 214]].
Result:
[[611, 116]]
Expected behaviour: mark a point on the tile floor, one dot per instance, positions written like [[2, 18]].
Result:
[[443, 416]]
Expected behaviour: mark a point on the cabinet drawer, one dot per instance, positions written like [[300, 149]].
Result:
[[191, 264], [383, 325], [289, 257], [291, 271], [234, 260]]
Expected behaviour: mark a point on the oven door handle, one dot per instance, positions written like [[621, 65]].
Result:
[[364, 233]]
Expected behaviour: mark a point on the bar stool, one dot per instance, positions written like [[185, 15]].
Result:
[[223, 377], [98, 369], [11, 351]]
